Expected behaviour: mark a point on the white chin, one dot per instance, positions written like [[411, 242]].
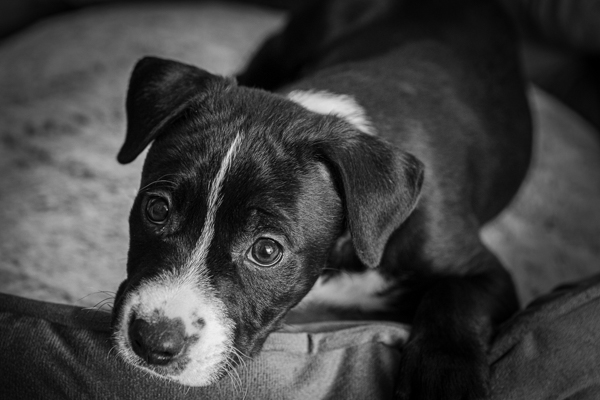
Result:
[[189, 300]]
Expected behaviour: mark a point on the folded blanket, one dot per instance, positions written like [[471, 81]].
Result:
[[548, 351]]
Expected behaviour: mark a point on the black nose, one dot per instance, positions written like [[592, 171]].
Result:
[[157, 342]]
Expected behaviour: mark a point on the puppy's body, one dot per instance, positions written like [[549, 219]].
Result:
[[438, 79], [444, 86], [392, 142]]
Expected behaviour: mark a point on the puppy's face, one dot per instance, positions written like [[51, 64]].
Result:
[[239, 204]]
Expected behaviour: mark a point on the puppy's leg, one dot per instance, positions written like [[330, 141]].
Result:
[[446, 357]]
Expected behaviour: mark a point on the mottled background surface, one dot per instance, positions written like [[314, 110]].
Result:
[[64, 200]]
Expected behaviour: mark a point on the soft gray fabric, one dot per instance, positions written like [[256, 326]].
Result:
[[552, 349], [56, 351], [548, 351]]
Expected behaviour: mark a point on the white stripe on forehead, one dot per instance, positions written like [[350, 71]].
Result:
[[198, 256]]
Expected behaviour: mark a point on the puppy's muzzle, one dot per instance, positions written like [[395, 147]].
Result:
[[175, 327], [158, 342]]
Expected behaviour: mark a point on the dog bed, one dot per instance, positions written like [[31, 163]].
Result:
[[547, 351], [65, 203]]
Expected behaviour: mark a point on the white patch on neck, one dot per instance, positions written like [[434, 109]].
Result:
[[340, 105], [357, 291]]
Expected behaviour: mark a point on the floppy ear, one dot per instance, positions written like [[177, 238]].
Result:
[[159, 90], [380, 185]]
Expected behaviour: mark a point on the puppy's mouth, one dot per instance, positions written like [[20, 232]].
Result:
[[176, 329]]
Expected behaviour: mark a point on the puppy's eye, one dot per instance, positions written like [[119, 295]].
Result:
[[157, 210], [265, 252]]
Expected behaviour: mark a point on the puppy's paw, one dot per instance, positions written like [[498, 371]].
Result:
[[437, 372]]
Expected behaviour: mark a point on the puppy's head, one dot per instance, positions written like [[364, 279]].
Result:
[[242, 196]]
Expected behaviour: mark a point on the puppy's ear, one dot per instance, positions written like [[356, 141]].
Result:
[[380, 185], [159, 90]]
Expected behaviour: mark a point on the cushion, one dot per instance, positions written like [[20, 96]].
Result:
[[547, 351]]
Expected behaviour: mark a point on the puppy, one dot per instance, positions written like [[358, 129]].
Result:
[[398, 129]]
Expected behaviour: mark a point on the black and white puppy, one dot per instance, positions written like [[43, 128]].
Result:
[[402, 128]]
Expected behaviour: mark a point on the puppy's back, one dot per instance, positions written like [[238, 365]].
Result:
[[441, 80]]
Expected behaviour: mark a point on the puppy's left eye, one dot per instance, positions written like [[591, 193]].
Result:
[[157, 210], [265, 252]]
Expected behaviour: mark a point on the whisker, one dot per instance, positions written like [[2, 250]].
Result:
[[246, 392], [114, 348], [107, 292], [226, 368], [241, 353], [236, 360], [235, 376], [98, 306], [107, 302]]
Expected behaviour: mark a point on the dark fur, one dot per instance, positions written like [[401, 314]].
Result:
[[441, 84]]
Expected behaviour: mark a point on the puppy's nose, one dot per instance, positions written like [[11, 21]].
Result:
[[158, 343]]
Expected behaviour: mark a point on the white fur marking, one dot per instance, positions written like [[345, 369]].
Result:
[[198, 257], [178, 297], [186, 294], [341, 105], [358, 291]]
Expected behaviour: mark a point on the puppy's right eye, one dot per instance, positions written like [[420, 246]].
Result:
[[157, 210], [265, 252]]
